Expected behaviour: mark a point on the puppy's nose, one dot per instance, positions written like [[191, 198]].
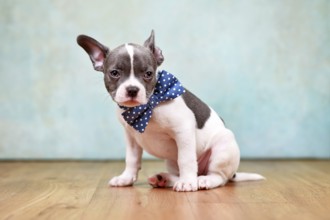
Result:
[[132, 91]]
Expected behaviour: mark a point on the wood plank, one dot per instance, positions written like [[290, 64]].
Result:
[[138, 202], [294, 189], [48, 190]]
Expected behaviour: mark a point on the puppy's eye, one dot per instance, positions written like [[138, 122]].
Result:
[[148, 75], [114, 74]]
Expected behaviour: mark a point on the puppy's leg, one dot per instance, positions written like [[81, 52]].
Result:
[[163, 180], [223, 162], [133, 164], [183, 172], [187, 160]]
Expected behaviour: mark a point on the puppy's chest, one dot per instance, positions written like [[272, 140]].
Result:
[[158, 137]]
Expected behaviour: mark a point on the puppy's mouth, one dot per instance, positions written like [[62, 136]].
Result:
[[130, 103]]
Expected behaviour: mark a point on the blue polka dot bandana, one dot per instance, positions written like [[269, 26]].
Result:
[[167, 88]]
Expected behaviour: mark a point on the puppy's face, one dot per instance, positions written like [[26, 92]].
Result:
[[130, 74], [129, 70]]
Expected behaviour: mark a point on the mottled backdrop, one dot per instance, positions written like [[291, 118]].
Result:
[[264, 66]]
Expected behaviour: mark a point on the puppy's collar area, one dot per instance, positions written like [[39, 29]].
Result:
[[167, 88]]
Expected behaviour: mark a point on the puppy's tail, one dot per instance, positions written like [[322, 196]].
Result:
[[240, 177]]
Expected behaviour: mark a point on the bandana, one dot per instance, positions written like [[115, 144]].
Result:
[[167, 88]]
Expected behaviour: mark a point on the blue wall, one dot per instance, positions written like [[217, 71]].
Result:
[[264, 66]]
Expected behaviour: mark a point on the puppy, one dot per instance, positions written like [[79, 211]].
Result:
[[162, 117]]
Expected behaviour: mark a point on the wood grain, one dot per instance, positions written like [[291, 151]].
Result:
[[298, 189]]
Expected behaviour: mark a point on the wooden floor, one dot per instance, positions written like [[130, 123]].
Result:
[[78, 190]]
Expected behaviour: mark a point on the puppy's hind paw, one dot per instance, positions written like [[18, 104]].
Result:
[[162, 180], [203, 183], [210, 181]]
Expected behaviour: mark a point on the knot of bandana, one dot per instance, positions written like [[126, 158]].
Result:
[[167, 88]]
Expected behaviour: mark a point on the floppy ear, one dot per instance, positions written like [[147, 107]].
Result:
[[96, 51], [150, 43]]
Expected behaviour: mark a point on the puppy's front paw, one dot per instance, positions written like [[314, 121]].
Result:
[[183, 185], [122, 180]]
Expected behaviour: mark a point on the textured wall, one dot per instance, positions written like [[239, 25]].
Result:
[[263, 65]]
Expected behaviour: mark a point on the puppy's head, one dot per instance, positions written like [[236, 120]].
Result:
[[129, 70]]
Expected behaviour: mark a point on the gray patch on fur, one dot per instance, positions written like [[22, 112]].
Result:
[[201, 111]]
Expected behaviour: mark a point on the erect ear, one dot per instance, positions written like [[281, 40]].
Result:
[[96, 51], [150, 43]]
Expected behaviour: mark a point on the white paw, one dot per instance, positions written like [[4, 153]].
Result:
[[210, 181], [183, 185], [122, 180], [203, 183]]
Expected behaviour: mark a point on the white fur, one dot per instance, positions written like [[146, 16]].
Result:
[[130, 51], [172, 135]]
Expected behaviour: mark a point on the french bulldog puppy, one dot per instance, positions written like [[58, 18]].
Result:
[[165, 119]]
